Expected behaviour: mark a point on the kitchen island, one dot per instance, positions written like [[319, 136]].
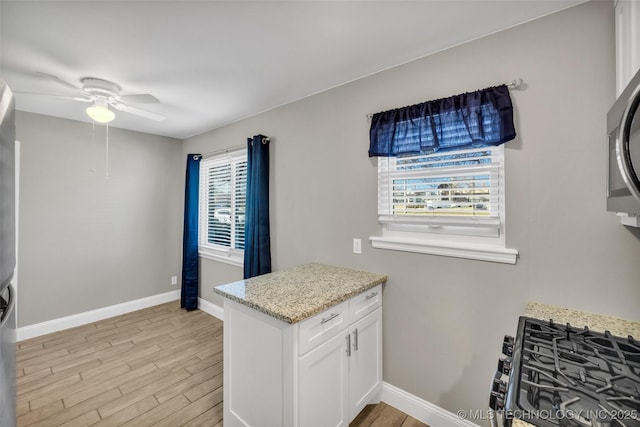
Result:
[[302, 347]]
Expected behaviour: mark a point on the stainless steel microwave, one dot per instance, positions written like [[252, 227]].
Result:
[[623, 128]]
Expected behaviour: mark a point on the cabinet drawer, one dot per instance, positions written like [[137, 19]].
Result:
[[321, 327], [365, 303]]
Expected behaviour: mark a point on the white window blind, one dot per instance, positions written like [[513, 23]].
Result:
[[449, 203], [461, 184], [223, 182]]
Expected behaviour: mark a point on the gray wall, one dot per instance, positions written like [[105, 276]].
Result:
[[444, 318], [87, 242]]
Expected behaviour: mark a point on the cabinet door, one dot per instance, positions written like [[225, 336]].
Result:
[[365, 363], [322, 385], [627, 14]]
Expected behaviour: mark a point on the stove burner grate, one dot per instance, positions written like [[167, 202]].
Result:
[[573, 377]]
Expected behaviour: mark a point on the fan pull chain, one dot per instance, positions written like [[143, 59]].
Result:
[[93, 147], [106, 176]]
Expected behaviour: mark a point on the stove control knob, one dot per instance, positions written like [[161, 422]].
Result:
[[507, 346], [496, 401], [499, 386], [504, 366], [498, 391]]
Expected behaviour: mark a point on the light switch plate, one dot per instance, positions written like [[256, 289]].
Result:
[[357, 246]]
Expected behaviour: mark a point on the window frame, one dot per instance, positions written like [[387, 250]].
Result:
[[471, 237], [212, 251]]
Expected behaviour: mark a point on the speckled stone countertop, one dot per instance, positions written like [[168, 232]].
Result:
[[579, 319], [296, 294]]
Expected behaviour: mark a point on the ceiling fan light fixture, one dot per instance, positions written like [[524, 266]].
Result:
[[100, 113]]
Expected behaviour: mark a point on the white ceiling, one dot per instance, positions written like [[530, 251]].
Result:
[[212, 62]]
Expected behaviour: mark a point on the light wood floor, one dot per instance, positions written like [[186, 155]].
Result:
[[161, 366], [383, 415]]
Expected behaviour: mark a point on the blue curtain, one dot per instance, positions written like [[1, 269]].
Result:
[[189, 293], [257, 243], [470, 120]]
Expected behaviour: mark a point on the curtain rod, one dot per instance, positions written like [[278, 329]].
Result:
[[513, 84], [224, 150], [214, 153]]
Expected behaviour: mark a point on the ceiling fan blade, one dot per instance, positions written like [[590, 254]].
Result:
[[140, 98], [137, 111], [74, 98], [62, 82]]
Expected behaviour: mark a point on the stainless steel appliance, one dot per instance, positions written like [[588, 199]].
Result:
[[558, 375], [7, 358], [7, 259], [623, 129]]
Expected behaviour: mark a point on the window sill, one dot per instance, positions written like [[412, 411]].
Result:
[[228, 257], [458, 250]]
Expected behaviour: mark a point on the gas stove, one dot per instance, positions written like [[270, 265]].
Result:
[[558, 375]]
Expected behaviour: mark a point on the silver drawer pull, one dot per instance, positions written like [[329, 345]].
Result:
[[373, 294], [331, 316]]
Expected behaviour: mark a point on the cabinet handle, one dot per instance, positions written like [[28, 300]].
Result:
[[348, 350], [331, 316], [355, 339], [373, 294]]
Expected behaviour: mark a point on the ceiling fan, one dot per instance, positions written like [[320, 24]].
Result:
[[102, 94]]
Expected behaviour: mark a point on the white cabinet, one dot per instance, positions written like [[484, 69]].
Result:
[[365, 362], [319, 372], [323, 386], [627, 42], [319, 328], [340, 377]]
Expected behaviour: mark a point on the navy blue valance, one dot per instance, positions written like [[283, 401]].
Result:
[[470, 120]]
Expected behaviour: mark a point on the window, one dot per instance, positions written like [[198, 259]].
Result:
[[223, 182], [449, 203], [441, 175]]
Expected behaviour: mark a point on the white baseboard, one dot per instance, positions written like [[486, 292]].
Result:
[[420, 409], [79, 319], [211, 308]]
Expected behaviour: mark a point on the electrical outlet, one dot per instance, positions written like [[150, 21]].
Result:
[[174, 280], [357, 246]]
